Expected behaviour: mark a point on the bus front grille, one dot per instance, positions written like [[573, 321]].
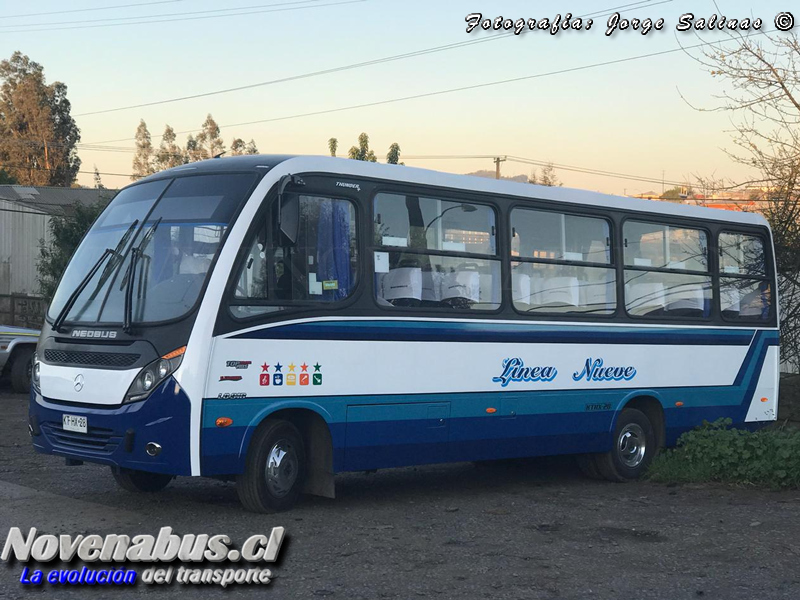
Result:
[[90, 359], [97, 440]]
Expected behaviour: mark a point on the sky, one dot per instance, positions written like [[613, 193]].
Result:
[[627, 118]]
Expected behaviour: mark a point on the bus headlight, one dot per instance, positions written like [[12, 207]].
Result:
[[35, 370], [151, 376]]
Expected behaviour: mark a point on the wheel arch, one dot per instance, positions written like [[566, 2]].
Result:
[[650, 403], [313, 423], [16, 346]]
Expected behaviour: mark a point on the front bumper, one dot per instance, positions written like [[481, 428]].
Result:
[[117, 436]]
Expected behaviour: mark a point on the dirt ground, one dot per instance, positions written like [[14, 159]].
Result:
[[525, 529]]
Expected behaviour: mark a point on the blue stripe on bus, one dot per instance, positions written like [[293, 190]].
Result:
[[466, 331], [546, 422]]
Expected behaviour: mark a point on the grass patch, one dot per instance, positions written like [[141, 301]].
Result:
[[715, 452]]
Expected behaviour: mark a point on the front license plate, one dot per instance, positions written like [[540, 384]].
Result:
[[73, 423]]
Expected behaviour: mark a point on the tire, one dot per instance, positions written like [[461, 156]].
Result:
[[588, 465], [140, 481], [21, 364], [275, 468], [634, 448]]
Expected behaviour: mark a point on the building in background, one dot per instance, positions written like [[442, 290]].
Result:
[[24, 226]]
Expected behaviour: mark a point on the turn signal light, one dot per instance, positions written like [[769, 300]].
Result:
[[491, 411], [224, 422], [679, 404], [179, 352], [765, 399]]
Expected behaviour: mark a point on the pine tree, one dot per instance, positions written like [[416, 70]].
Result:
[[393, 157], [143, 159], [238, 147], [209, 142], [98, 182], [193, 150], [362, 151], [547, 177], [169, 154], [333, 145]]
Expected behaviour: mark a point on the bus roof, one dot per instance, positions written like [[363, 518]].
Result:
[[306, 164]]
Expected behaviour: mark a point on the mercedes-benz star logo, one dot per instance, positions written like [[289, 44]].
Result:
[[78, 382]]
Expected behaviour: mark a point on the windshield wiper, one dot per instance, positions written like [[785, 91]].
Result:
[[120, 245], [62, 315], [127, 319], [59, 320], [111, 266]]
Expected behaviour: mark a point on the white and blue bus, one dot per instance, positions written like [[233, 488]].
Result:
[[276, 320]]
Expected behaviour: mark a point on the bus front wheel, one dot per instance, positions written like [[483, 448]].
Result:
[[275, 468], [633, 450], [140, 481]]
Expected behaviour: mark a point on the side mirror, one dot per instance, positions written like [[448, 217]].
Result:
[[289, 216]]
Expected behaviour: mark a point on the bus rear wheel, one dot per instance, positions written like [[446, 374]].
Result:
[[275, 469], [140, 481], [633, 450]]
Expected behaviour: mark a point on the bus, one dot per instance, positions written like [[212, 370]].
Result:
[[275, 320]]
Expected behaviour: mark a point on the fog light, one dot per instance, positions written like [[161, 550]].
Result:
[[152, 449]]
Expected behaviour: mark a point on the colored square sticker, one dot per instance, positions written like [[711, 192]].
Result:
[[303, 378], [291, 379], [277, 379], [264, 379], [317, 379]]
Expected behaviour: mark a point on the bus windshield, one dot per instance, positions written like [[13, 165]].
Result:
[[174, 227]]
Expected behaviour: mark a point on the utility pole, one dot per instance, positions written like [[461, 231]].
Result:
[[497, 161]]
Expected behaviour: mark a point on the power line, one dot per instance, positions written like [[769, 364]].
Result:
[[386, 59], [95, 8], [542, 163], [156, 16], [446, 91], [591, 171], [186, 18]]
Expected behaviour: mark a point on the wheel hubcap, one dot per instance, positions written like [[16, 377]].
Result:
[[631, 445], [281, 469]]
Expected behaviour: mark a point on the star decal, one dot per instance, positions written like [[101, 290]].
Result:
[[304, 368], [278, 367], [291, 367], [265, 368], [317, 367]]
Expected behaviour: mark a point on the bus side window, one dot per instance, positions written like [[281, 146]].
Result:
[[745, 290], [436, 253], [320, 265], [666, 271], [561, 263]]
